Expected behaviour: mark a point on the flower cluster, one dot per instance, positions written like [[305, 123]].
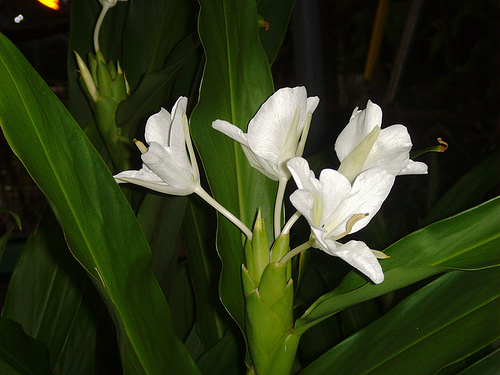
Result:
[[339, 203]]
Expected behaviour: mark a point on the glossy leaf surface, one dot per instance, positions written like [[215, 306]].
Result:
[[100, 228]]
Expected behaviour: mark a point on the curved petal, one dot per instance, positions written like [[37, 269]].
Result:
[[358, 255], [391, 150], [359, 126], [158, 128], [232, 131], [263, 166], [312, 104], [160, 186], [269, 128], [414, 167], [177, 138], [302, 174], [335, 188], [164, 164], [367, 194], [303, 201]]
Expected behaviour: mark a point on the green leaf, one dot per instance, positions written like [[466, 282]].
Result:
[[99, 226], [236, 81], [486, 366], [222, 358], [151, 31], [204, 266], [470, 240], [469, 191], [277, 14], [154, 88], [444, 322], [19, 353], [161, 217], [49, 296]]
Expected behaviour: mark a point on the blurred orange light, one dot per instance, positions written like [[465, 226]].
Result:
[[54, 4]]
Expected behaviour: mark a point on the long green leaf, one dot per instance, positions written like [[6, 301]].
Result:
[[204, 266], [236, 81], [277, 15], [151, 30], [49, 296], [99, 226], [19, 353], [470, 240], [486, 366], [469, 190], [444, 322]]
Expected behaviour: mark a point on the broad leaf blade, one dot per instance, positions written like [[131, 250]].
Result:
[[236, 81], [100, 228], [19, 353], [486, 366], [470, 240], [204, 266], [469, 190], [444, 322], [277, 15], [49, 296]]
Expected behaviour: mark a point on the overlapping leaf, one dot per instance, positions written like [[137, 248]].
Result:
[[236, 81], [99, 226], [470, 240], [444, 322]]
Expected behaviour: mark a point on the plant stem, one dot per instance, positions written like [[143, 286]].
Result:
[[299, 249], [211, 201], [278, 205], [290, 222], [105, 7]]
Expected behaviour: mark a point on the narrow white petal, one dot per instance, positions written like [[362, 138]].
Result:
[[391, 151], [302, 175], [158, 128], [232, 131], [367, 194], [143, 174], [160, 187], [166, 166], [414, 167], [303, 202], [177, 138], [359, 126], [269, 128], [358, 255], [312, 104]]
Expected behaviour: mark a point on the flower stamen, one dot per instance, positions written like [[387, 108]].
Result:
[[349, 225], [142, 148]]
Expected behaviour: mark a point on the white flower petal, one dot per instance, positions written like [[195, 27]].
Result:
[[158, 128], [166, 164], [271, 125], [358, 255], [232, 131], [368, 192], [303, 201], [275, 133], [302, 174], [359, 126], [177, 141], [414, 167], [391, 150]]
